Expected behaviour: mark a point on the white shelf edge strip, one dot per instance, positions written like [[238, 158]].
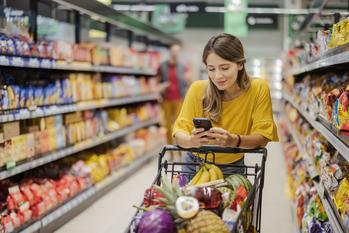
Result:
[[319, 187], [74, 149], [331, 60], [43, 112], [43, 63], [89, 192], [336, 143]]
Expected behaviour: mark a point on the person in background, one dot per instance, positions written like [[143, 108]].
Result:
[[174, 79], [238, 106]]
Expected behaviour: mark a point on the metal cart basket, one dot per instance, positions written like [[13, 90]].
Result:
[[254, 173]]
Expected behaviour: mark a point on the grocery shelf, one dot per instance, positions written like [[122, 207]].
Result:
[[38, 63], [90, 143], [23, 114], [340, 146], [335, 222], [323, 193], [334, 56], [65, 212]]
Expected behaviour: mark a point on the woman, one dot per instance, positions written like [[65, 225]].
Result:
[[239, 107]]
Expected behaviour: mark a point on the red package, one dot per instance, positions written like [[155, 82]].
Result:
[[63, 192], [37, 191], [74, 188], [26, 215], [240, 196], [29, 196], [53, 196], [38, 209], [15, 220], [15, 198], [48, 203], [7, 223], [149, 197], [82, 183]]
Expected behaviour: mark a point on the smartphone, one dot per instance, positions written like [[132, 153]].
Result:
[[202, 123]]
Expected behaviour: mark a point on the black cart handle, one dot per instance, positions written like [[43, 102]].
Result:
[[214, 149]]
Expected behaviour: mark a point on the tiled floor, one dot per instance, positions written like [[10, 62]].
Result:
[[114, 211]]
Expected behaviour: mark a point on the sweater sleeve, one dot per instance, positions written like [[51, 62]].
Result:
[[262, 117], [191, 105]]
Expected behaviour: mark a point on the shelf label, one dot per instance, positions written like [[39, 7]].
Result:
[[17, 61], [10, 165], [45, 63], [33, 62], [4, 60]]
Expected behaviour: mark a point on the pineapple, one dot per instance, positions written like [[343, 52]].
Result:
[[206, 222], [203, 222]]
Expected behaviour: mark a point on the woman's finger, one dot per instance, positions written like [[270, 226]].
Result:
[[218, 130], [202, 134], [217, 136], [197, 130]]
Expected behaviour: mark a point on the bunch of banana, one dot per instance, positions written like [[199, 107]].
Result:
[[207, 173]]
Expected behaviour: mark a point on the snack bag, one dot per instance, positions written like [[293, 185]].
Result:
[[343, 112]]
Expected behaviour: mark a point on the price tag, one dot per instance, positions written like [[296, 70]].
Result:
[[33, 62], [45, 63], [17, 61], [10, 165], [5, 61]]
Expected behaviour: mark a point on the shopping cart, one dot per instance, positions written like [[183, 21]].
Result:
[[254, 173]]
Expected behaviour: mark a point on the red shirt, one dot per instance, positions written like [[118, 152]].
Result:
[[172, 91]]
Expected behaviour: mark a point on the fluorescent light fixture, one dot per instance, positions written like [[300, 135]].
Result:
[[106, 2], [135, 8]]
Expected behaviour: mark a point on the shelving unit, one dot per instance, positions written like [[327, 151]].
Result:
[[342, 148], [133, 29], [51, 221], [23, 114], [90, 143], [332, 57], [323, 193]]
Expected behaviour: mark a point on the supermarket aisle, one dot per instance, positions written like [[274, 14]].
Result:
[[276, 210], [113, 212]]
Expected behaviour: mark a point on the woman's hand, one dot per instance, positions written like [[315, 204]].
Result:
[[199, 138], [223, 138]]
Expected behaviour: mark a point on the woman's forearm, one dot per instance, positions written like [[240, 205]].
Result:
[[183, 140], [253, 141]]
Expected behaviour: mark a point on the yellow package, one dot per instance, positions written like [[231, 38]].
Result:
[[333, 41], [342, 194], [342, 33], [30, 145]]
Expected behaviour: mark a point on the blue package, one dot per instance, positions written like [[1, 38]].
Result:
[[4, 100], [39, 96], [30, 97], [66, 92], [58, 92], [16, 92], [22, 97]]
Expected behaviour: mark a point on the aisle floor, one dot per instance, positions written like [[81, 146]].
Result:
[[113, 212]]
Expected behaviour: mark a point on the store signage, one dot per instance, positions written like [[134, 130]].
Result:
[[188, 7], [235, 18], [167, 21], [263, 21]]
